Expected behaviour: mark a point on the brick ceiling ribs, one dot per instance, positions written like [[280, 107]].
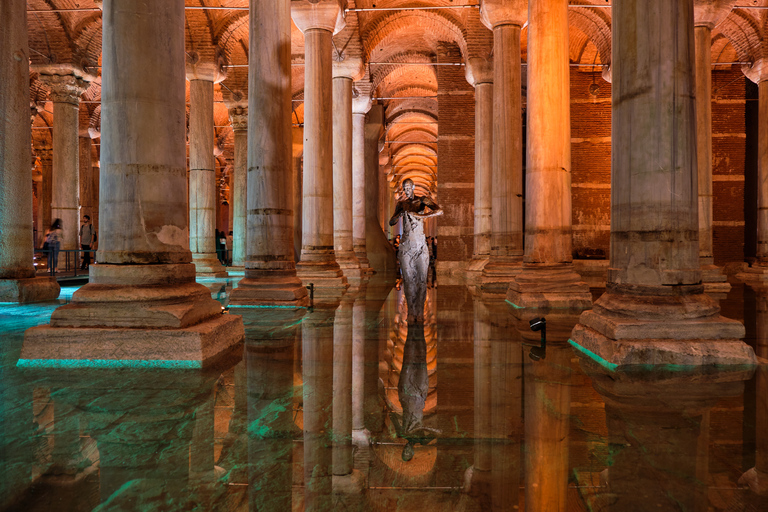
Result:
[[399, 46]]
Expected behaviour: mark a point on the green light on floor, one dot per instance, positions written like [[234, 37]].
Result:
[[596, 358], [106, 363], [513, 305]]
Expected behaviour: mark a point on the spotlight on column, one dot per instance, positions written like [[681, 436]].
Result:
[[539, 324]]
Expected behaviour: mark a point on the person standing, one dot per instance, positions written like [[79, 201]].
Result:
[[53, 239], [87, 237]]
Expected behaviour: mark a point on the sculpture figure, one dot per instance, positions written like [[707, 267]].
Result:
[[413, 253]]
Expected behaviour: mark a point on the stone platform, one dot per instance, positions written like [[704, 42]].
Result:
[[33, 289]]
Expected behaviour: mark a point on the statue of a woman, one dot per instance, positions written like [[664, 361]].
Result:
[[413, 253]]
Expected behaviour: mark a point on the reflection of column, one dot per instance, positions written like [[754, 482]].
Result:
[[707, 15], [17, 274], [344, 73], [202, 175], [547, 408], [548, 278], [342, 388], [201, 451], [360, 107], [506, 18], [480, 75], [65, 202], [67, 457], [359, 436], [317, 371], [318, 265], [142, 295], [654, 286], [271, 428], [270, 270], [238, 115]]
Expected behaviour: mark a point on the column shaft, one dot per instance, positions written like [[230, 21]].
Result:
[[66, 180], [342, 388], [358, 191], [203, 192], [483, 169], [762, 175], [342, 178], [239, 197]]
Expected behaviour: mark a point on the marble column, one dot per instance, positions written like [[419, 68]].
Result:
[[480, 75], [548, 278], [707, 14], [318, 22], [344, 74], [360, 107], [654, 310], [270, 269], [238, 116], [46, 193], [360, 436], [506, 18], [342, 388], [203, 189], [142, 301], [66, 88], [17, 272]]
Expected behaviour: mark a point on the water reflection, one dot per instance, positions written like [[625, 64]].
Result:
[[347, 407]]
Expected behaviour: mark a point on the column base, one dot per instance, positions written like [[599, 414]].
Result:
[[474, 270], [353, 483], [755, 274], [497, 275], [757, 481], [324, 275], [270, 288], [349, 264], [33, 289], [549, 287], [714, 280], [135, 315], [626, 330], [362, 257], [208, 265]]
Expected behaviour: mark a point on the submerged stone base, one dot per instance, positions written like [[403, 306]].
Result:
[[551, 288], [474, 270], [497, 276], [33, 289], [323, 276], [208, 265], [714, 280], [264, 288], [188, 347], [687, 330]]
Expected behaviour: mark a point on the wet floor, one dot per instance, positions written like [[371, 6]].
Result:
[[349, 408]]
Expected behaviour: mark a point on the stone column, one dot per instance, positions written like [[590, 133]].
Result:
[[548, 278], [654, 310], [142, 302], [66, 88], [203, 189], [270, 269], [360, 107], [17, 272], [318, 21], [342, 388], [238, 116], [480, 75], [707, 14], [46, 193], [506, 18], [344, 73]]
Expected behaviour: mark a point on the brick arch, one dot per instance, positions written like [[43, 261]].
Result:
[[744, 32], [422, 77], [595, 25], [88, 40], [50, 33]]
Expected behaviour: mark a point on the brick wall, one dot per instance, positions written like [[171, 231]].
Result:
[[455, 161]]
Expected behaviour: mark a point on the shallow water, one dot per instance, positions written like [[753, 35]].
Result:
[[320, 410]]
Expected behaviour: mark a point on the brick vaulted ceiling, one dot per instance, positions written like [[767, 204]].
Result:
[[398, 44]]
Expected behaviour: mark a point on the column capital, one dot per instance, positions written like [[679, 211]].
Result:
[[319, 14], [349, 67], [708, 13], [65, 88], [479, 70], [503, 12], [238, 116], [757, 71], [204, 67], [361, 103]]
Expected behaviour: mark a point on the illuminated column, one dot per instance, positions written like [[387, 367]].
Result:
[[344, 73], [142, 301], [480, 75], [506, 18], [17, 273], [66, 88], [654, 310], [203, 192], [238, 116], [318, 265], [360, 107], [270, 269], [548, 278], [707, 14]]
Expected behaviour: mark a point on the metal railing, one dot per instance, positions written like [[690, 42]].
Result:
[[71, 258]]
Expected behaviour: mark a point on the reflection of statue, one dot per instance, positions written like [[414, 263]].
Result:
[[413, 253], [412, 391]]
